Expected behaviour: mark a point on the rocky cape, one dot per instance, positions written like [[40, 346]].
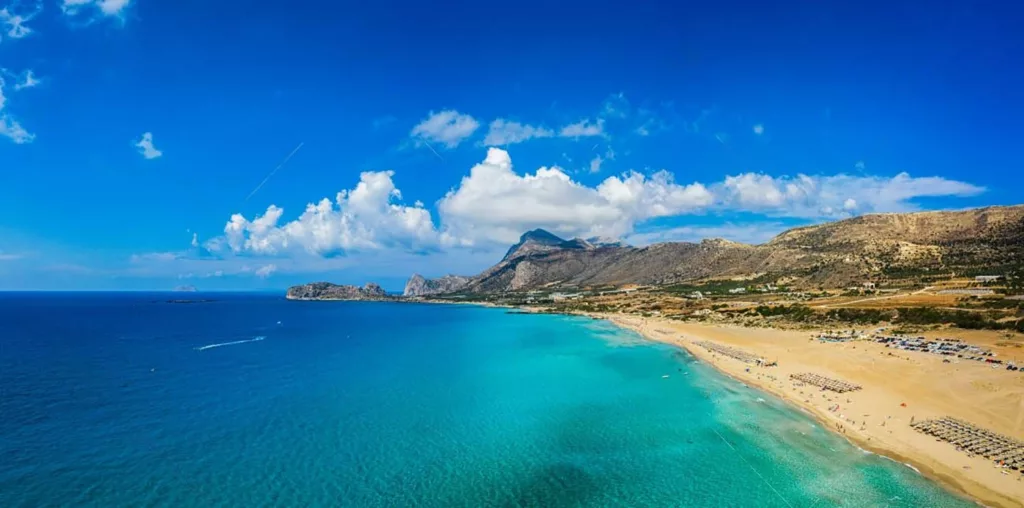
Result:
[[878, 247], [329, 291]]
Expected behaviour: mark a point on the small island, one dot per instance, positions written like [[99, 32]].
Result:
[[329, 291]]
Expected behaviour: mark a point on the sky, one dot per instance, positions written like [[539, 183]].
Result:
[[149, 144]]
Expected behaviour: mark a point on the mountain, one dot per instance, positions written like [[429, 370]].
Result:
[[540, 240], [328, 291], [878, 247], [420, 286]]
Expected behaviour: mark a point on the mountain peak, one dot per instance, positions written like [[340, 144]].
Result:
[[540, 235], [533, 240]]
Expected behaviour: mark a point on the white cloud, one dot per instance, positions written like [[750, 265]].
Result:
[[834, 196], [162, 257], [615, 106], [364, 218], [109, 8], [146, 148], [583, 128], [264, 271], [28, 80], [598, 160], [505, 132], [448, 127], [10, 128], [752, 234], [759, 129], [6, 256], [494, 204], [653, 123], [195, 240], [13, 24], [859, 165]]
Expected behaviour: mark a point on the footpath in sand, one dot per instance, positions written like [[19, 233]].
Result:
[[875, 416]]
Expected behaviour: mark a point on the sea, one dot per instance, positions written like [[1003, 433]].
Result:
[[250, 400]]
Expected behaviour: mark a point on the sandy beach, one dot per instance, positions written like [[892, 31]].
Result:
[[897, 386]]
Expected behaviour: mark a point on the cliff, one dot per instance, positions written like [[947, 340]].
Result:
[[420, 286]]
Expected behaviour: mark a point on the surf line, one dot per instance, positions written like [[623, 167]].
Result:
[[222, 344]]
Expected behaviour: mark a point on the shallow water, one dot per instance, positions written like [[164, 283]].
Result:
[[109, 400]]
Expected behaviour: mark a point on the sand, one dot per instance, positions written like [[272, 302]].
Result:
[[873, 417]]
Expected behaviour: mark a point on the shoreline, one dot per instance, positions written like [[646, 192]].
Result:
[[927, 465]]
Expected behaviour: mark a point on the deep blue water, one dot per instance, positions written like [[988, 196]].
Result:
[[105, 401]]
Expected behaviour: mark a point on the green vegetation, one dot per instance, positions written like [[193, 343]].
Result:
[[958, 318], [859, 316], [795, 312], [904, 316]]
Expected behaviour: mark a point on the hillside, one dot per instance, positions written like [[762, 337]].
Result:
[[877, 247]]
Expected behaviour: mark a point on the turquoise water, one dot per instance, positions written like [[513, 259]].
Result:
[[106, 401]]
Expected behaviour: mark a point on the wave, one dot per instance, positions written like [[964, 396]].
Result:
[[222, 344]]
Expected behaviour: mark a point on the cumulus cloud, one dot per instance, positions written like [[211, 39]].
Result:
[[448, 128], [834, 196], [503, 132], [146, 147], [859, 165], [583, 128], [494, 204], [109, 8], [758, 129], [367, 217]]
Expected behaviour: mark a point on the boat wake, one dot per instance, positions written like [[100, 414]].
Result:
[[222, 344]]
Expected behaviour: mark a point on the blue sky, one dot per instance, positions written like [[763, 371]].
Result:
[[134, 132]]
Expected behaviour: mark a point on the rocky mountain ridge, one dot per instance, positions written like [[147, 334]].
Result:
[[421, 286], [329, 291], [874, 247]]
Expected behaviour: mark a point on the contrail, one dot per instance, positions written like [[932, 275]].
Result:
[[432, 150], [279, 166]]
